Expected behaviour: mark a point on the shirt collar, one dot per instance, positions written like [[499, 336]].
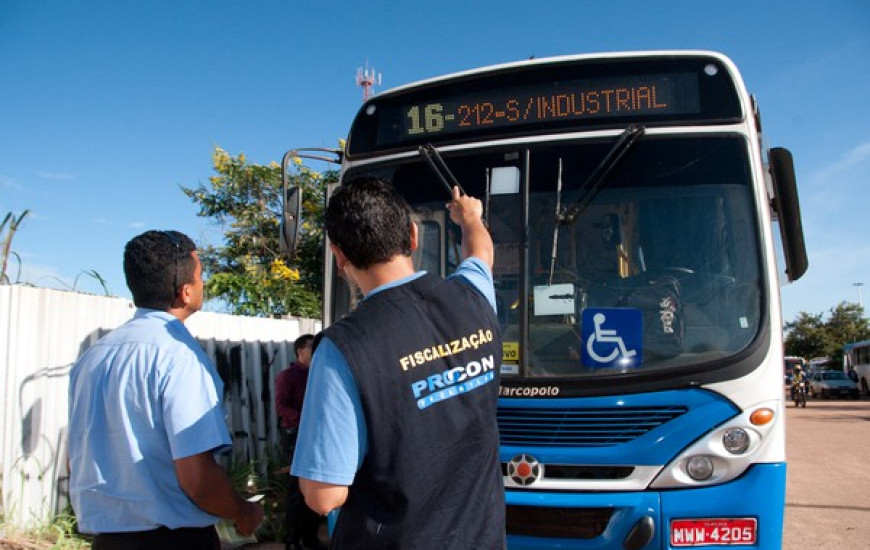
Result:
[[393, 284], [154, 314]]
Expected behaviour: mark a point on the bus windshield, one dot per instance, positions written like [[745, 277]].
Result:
[[670, 233]]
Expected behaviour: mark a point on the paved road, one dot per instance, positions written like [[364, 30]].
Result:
[[828, 492]]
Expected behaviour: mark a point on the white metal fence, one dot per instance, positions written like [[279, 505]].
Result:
[[44, 331]]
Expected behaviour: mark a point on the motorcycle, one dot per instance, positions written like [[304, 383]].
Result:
[[799, 394]]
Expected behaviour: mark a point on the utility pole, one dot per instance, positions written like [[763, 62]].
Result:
[[860, 301]]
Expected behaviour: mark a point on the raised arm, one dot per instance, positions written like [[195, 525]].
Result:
[[467, 213]]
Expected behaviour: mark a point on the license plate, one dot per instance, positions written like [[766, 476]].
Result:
[[710, 531]]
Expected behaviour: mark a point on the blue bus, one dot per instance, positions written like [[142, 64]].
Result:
[[637, 217]]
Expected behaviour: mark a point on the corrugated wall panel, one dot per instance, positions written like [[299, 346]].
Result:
[[46, 330], [43, 332]]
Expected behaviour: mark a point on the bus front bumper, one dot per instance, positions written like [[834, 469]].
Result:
[[643, 520]]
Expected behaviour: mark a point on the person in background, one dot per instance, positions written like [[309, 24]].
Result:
[[301, 522], [399, 429], [798, 377], [145, 417]]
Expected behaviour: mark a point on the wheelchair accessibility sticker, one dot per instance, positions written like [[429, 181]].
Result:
[[612, 337]]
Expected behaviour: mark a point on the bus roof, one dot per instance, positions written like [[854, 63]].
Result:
[[853, 345], [561, 59]]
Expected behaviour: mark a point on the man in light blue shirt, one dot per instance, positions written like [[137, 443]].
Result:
[[145, 416], [336, 426], [403, 391]]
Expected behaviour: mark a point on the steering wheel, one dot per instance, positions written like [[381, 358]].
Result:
[[677, 270]]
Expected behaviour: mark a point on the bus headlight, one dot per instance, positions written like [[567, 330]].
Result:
[[699, 468], [735, 440], [726, 451]]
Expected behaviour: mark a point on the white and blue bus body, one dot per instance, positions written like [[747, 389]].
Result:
[[630, 198], [856, 358]]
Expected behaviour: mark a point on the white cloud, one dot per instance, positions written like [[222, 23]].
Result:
[[858, 154], [136, 225], [835, 266], [835, 228], [6, 181], [851, 159], [59, 176]]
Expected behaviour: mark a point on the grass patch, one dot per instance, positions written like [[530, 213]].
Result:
[[58, 534]]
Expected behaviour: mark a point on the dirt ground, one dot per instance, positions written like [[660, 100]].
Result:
[[828, 492]]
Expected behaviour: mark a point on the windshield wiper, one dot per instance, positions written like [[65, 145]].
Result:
[[604, 169], [437, 164]]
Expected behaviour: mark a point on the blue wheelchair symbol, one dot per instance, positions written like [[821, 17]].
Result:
[[612, 337]]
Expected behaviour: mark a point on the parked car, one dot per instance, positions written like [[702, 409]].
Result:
[[819, 363], [832, 383]]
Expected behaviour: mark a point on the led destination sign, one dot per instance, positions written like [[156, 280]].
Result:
[[548, 98], [673, 94]]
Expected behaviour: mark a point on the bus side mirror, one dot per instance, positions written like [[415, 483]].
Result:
[[292, 207], [788, 211], [291, 199]]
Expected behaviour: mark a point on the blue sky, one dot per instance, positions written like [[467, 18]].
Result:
[[106, 107]]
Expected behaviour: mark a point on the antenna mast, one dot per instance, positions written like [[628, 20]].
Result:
[[367, 78]]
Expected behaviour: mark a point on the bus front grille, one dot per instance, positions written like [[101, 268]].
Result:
[[576, 427], [540, 521]]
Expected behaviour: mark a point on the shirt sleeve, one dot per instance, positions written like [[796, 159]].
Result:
[[192, 412], [332, 438], [473, 271]]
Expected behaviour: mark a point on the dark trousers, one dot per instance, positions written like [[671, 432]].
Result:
[[301, 522], [163, 538]]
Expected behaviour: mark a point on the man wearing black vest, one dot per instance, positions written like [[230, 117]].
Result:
[[399, 424]]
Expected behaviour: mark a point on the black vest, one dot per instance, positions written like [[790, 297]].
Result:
[[426, 356]]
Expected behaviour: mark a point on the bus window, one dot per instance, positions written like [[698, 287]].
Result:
[[672, 223], [429, 255]]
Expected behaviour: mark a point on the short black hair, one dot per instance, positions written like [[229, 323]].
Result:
[[301, 342], [156, 264], [369, 221]]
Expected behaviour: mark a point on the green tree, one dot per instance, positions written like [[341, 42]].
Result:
[[806, 336], [846, 324], [811, 336], [248, 272]]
